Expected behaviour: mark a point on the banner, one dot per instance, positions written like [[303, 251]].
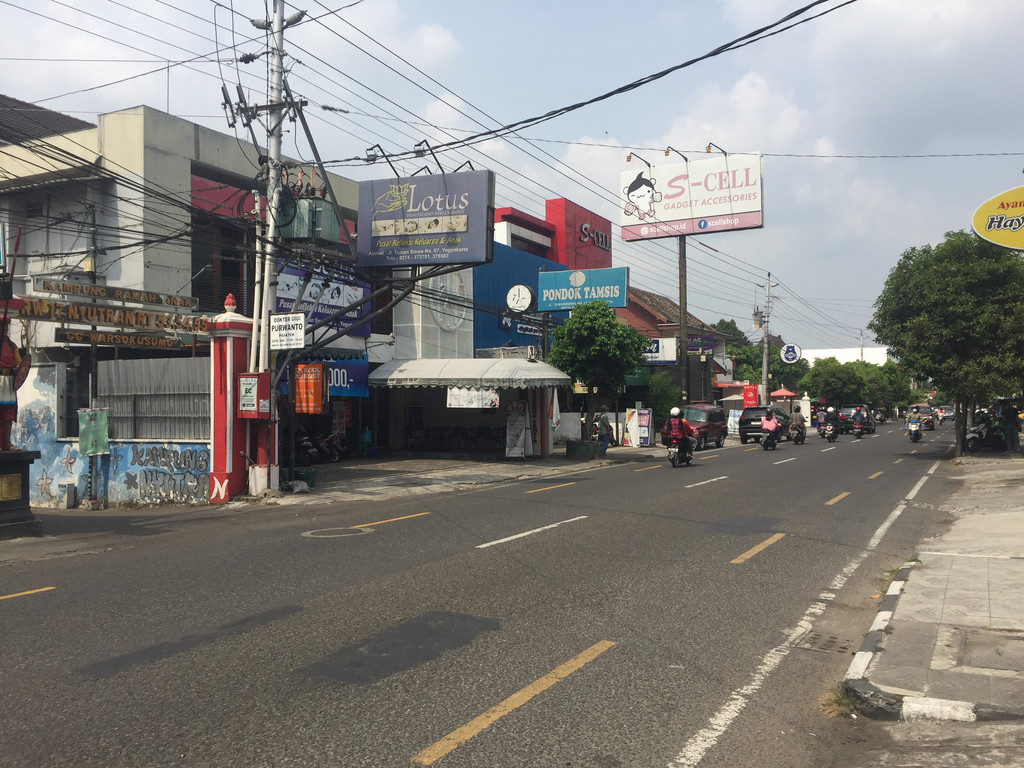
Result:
[[93, 435], [472, 397], [310, 392]]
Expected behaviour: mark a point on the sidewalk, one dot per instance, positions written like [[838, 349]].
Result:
[[948, 640]]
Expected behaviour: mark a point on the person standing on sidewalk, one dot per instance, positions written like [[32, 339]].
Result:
[[1011, 426], [604, 430]]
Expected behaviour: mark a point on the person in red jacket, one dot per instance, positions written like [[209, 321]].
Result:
[[677, 427], [10, 358]]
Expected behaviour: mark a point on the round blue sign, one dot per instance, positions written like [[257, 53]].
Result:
[[790, 353], [702, 224]]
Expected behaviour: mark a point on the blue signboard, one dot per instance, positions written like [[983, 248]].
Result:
[[565, 290], [325, 293], [348, 378]]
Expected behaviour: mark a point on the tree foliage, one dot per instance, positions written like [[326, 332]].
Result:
[[954, 315], [878, 386], [592, 346], [663, 392], [749, 361], [730, 329]]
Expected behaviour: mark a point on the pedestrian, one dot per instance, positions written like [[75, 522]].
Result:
[[604, 430], [10, 359], [1011, 426]]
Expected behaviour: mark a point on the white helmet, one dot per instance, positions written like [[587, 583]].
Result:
[[831, 409], [674, 411]]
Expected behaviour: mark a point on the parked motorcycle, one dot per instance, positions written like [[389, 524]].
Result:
[[914, 428], [831, 432], [985, 435], [336, 447], [308, 451], [768, 441], [676, 454]]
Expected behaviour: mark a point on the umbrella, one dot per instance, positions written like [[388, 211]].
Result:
[[783, 393], [732, 398]]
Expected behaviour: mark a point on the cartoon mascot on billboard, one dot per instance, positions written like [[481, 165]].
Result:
[[641, 197]]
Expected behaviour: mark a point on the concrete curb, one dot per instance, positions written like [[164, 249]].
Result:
[[877, 704]]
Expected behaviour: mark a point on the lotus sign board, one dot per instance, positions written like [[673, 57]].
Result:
[[1001, 219]]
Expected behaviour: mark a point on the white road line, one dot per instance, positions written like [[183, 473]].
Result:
[[705, 739], [705, 482], [530, 533], [826, 450], [785, 460]]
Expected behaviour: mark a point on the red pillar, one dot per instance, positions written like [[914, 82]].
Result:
[[229, 356]]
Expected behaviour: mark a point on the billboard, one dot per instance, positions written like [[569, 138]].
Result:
[[426, 220], [564, 290], [1001, 219], [327, 292], [717, 194]]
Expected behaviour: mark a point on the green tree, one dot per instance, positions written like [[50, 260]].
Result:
[[749, 360], [836, 382], [730, 329], [663, 392], [953, 315], [592, 346]]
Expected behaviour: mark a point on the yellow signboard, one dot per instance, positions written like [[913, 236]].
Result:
[[1001, 219]]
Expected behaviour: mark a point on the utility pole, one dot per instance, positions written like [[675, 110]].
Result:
[[684, 361], [764, 354]]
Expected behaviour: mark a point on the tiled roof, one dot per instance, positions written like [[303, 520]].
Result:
[[664, 308], [21, 121]]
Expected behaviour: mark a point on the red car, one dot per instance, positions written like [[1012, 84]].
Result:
[[928, 422]]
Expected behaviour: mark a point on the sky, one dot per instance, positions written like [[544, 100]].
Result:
[[883, 124]]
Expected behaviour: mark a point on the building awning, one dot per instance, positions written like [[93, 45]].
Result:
[[499, 373]]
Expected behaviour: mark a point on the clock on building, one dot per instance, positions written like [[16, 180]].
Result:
[[449, 301], [519, 298]]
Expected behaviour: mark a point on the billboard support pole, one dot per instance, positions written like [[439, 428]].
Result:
[[681, 345]]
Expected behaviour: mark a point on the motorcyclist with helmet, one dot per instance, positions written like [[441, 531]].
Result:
[[914, 416], [797, 424], [678, 428]]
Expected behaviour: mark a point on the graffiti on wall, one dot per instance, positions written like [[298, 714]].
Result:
[[169, 474]]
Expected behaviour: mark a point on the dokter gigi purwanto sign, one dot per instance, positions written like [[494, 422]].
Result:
[[714, 194], [1001, 219], [443, 218]]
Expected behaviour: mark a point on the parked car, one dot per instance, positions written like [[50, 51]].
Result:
[[846, 418], [709, 423], [928, 418], [750, 422]]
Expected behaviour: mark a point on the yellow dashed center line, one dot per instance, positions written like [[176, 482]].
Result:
[[644, 469], [551, 487], [840, 497], [30, 592], [392, 520], [877, 474], [762, 546], [897, 461], [439, 749]]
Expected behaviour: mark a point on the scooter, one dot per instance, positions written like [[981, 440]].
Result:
[[768, 441], [798, 435], [831, 432], [335, 447], [985, 435], [677, 457], [858, 430], [914, 429]]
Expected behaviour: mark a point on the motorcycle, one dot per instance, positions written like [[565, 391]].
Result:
[[914, 429], [676, 455], [985, 435], [831, 432], [798, 435], [821, 430], [858, 430], [768, 440], [335, 447], [308, 451]]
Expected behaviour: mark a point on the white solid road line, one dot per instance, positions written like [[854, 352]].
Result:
[[530, 533]]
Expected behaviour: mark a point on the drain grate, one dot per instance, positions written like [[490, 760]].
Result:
[[815, 641]]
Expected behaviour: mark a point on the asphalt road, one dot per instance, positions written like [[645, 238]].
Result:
[[632, 615]]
